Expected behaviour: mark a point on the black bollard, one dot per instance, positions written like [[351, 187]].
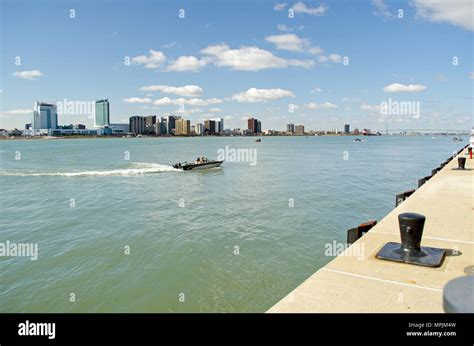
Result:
[[410, 250], [461, 163], [411, 230]]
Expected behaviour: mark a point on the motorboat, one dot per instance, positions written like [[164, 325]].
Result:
[[258, 140], [200, 163], [457, 139]]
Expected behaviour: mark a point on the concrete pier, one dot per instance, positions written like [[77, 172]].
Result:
[[367, 284]]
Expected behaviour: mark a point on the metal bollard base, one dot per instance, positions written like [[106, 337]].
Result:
[[427, 256]]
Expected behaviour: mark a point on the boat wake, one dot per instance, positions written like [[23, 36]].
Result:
[[136, 169]]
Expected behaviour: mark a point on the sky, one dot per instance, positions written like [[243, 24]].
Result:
[[373, 64]]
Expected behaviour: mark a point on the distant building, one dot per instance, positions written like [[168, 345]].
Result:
[[220, 125], [290, 128], [79, 127], [102, 113], [183, 127], [45, 116], [254, 125], [120, 128], [150, 125], [171, 124], [199, 129], [299, 129], [137, 125], [347, 128], [356, 131], [209, 127]]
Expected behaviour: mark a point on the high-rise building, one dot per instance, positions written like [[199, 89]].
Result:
[[220, 125], [299, 129], [102, 113], [183, 127], [290, 128], [347, 128], [210, 126], [150, 125], [171, 124], [199, 128], [252, 125], [137, 125], [45, 116]]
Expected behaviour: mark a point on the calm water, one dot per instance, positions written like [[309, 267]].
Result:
[[189, 249]]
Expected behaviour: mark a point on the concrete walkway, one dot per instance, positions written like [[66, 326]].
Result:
[[367, 284]]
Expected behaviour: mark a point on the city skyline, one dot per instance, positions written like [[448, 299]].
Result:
[[305, 70]]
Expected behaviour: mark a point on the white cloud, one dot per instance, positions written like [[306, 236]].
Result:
[[336, 58], [182, 101], [459, 12], [186, 90], [228, 117], [33, 74], [325, 105], [279, 6], [381, 9], [397, 87], [215, 110], [323, 58], [316, 90], [153, 60], [187, 63], [137, 100], [300, 7], [19, 111], [471, 75], [253, 95], [293, 43], [249, 58], [289, 42]]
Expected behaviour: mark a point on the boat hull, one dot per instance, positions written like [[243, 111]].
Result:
[[201, 166]]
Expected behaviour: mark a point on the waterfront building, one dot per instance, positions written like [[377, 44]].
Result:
[[299, 130], [120, 128], [102, 113], [220, 125], [347, 129], [171, 124], [45, 116], [290, 128], [150, 125], [199, 128], [209, 127], [137, 125], [254, 125], [183, 127], [79, 127]]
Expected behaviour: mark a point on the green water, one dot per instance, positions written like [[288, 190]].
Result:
[[221, 240]]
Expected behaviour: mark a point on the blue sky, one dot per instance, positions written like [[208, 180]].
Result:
[[333, 62]]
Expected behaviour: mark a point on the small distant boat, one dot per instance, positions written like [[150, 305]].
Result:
[[357, 140], [258, 140], [457, 139], [433, 137], [200, 163]]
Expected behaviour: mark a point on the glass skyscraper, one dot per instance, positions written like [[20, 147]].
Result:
[[102, 113], [45, 116]]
